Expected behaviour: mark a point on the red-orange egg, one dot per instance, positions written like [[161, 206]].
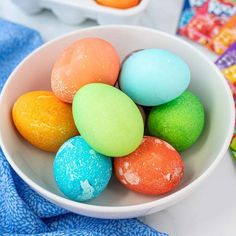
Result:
[[88, 60], [154, 168]]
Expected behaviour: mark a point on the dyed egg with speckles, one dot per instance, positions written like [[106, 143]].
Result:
[[87, 60], [43, 120], [80, 172], [179, 122], [154, 168]]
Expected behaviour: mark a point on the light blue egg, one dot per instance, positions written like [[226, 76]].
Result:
[[80, 172], [154, 76]]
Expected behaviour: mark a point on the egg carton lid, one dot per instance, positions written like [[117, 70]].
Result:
[[92, 4]]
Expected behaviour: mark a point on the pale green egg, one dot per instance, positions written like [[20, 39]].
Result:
[[107, 119]]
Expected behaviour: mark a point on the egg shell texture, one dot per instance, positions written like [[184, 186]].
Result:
[[154, 168], [179, 122], [108, 119], [85, 61], [121, 4], [154, 76], [43, 120], [80, 172]]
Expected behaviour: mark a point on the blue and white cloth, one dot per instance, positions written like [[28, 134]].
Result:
[[24, 212]]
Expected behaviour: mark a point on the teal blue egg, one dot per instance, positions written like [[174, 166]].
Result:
[[80, 172], [152, 77]]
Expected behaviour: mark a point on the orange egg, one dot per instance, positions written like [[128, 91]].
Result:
[[43, 120], [88, 60], [122, 4], [154, 168]]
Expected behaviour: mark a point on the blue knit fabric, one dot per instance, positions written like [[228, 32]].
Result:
[[22, 211]]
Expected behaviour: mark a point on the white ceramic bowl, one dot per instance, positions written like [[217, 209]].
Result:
[[35, 166]]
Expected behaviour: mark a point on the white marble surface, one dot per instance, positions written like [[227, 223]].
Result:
[[211, 210]]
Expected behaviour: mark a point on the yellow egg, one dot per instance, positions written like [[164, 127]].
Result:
[[43, 120]]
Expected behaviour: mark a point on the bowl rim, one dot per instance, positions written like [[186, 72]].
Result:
[[170, 199]]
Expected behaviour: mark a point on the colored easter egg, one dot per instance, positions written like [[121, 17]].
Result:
[[81, 173], [144, 116], [43, 120], [155, 167], [154, 76], [121, 4], [179, 122], [107, 119], [141, 109], [117, 85], [85, 61]]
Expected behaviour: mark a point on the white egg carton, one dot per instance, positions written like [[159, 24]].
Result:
[[76, 11]]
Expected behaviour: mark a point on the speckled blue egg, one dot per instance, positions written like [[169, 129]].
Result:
[[80, 172], [154, 76]]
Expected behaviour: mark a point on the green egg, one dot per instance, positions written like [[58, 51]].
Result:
[[107, 119], [179, 122]]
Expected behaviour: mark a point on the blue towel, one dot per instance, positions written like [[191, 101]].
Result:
[[23, 211]]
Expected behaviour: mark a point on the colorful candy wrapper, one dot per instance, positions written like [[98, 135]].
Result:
[[230, 74], [203, 20], [225, 38], [233, 145], [227, 65], [228, 58], [196, 24]]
